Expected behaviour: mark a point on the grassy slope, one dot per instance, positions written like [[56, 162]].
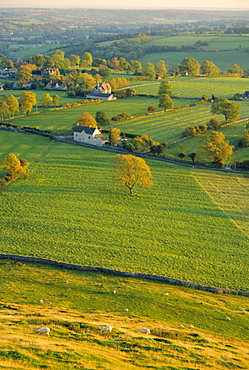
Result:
[[66, 210], [75, 311]]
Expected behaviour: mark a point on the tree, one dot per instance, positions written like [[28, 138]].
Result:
[[74, 60], [131, 170], [229, 109], [4, 110], [27, 100], [86, 119], [189, 66], [165, 88], [161, 69], [14, 167], [151, 109], [236, 70], [46, 100], [166, 102], [13, 104], [101, 119], [55, 99], [149, 71], [209, 69], [24, 72], [87, 59], [135, 66], [244, 143], [114, 136], [38, 60], [216, 148]]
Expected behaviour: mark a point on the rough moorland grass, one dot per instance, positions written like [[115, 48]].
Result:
[[71, 210], [77, 304]]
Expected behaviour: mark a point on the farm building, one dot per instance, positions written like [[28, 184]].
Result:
[[245, 95], [101, 91], [89, 135]]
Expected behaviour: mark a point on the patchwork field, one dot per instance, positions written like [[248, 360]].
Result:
[[66, 211], [76, 305]]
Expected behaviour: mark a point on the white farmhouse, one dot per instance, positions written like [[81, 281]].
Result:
[[88, 135]]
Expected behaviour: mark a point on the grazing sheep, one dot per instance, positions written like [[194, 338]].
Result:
[[43, 331], [114, 292], [181, 326], [166, 293], [126, 310], [191, 326], [145, 331], [107, 328], [41, 301], [228, 318]]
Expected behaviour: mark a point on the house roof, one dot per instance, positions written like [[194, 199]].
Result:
[[100, 95], [88, 130]]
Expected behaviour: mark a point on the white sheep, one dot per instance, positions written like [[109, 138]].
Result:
[[145, 331], [107, 328], [228, 318], [114, 292], [166, 293], [126, 310], [191, 326], [181, 326], [41, 301], [44, 331]]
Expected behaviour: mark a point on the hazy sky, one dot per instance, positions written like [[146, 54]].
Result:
[[210, 4]]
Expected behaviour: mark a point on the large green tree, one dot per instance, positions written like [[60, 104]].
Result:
[[46, 100], [101, 119], [165, 88], [166, 102], [189, 66], [87, 59], [209, 69], [149, 71], [216, 149], [131, 170], [229, 109], [161, 69]]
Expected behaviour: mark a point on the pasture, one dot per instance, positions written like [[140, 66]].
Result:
[[66, 211], [223, 59], [77, 304], [221, 87]]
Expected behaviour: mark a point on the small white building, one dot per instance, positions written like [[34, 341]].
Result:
[[89, 135]]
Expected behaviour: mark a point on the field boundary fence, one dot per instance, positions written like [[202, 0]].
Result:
[[138, 275]]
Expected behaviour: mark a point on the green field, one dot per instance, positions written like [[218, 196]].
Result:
[[222, 87], [65, 211], [76, 305], [223, 59]]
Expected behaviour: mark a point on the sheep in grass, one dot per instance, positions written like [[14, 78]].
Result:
[[44, 331], [41, 301], [145, 331], [107, 329], [191, 326], [228, 318], [181, 326]]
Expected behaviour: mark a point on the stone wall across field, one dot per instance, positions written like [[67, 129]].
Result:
[[139, 275]]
